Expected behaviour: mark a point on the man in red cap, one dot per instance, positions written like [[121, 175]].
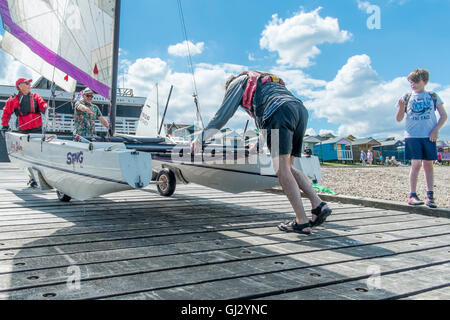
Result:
[[26, 106]]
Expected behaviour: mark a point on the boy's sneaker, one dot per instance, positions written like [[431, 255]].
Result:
[[415, 201], [430, 203]]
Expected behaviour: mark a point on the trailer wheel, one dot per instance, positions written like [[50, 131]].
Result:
[[63, 197], [166, 182]]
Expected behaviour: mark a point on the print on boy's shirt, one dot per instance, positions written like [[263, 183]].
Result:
[[420, 106]]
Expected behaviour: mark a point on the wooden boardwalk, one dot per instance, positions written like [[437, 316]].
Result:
[[206, 244]]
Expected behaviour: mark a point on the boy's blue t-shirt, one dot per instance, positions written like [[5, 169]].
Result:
[[420, 115]]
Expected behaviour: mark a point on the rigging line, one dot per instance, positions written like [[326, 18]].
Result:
[[41, 114], [73, 36], [63, 22], [23, 20], [184, 31]]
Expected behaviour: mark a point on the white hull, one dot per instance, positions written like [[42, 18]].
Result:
[[79, 170], [234, 177]]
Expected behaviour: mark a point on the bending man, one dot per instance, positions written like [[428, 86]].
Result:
[[274, 108]]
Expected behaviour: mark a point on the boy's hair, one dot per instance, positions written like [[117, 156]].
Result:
[[419, 74]]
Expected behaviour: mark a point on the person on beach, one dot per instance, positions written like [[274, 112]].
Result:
[[85, 115], [363, 157], [275, 109], [422, 130], [369, 157], [308, 151]]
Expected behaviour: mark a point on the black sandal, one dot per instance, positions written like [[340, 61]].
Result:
[[293, 226], [322, 215]]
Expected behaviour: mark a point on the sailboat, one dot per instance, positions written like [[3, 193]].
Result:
[[67, 41], [72, 46], [233, 169]]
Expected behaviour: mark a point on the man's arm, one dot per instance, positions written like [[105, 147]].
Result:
[[230, 104], [41, 102], [104, 122], [81, 107], [7, 112], [434, 134]]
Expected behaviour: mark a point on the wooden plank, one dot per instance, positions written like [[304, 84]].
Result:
[[391, 286], [215, 278], [263, 262], [203, 244]]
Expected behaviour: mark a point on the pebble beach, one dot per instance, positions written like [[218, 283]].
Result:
[[385, 183]]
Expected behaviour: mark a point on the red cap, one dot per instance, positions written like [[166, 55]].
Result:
[[19, 81]]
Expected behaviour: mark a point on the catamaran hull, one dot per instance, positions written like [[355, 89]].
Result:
[[79, 170], [254, 175]]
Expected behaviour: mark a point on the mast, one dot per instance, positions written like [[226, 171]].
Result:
[[115, 68]]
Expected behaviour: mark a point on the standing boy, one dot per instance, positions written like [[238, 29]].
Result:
[[422, 129]]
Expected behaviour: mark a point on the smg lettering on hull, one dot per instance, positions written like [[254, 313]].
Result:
[[73, 158]]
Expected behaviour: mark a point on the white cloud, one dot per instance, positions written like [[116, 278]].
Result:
[[296, 38], [298, 81], [181, 49], [364, 5], [310, 132], [326, 131], [361, 103], [210, 81]]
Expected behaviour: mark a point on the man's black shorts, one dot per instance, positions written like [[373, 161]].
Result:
[[289, 122]]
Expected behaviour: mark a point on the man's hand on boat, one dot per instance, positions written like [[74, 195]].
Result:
[[4, 130], [196, 146], [86, 109]]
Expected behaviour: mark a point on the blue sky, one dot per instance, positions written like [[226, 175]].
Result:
[[349, 76]]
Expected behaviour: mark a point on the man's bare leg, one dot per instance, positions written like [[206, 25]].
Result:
[[282, 166], [304, 184]]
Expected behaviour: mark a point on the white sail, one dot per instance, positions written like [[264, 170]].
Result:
[[148, 121], [63, 40]]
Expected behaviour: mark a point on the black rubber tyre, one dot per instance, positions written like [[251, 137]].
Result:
[[63, 197], [167, 188]]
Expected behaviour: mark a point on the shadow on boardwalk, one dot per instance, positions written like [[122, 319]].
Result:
[[200, 244]]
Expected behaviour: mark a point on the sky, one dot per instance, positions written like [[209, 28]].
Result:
[[347, 60]]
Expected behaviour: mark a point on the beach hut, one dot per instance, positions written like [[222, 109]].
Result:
[[443, 148], [363, 144], [335, 149], [389, 147], [311, 142]]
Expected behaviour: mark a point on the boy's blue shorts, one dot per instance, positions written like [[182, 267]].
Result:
[[420, 149]]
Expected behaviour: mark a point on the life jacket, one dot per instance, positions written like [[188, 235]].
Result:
[[19, 112], [255, 80], [28, 118]]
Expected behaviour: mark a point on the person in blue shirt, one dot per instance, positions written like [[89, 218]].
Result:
[[421, 134]]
